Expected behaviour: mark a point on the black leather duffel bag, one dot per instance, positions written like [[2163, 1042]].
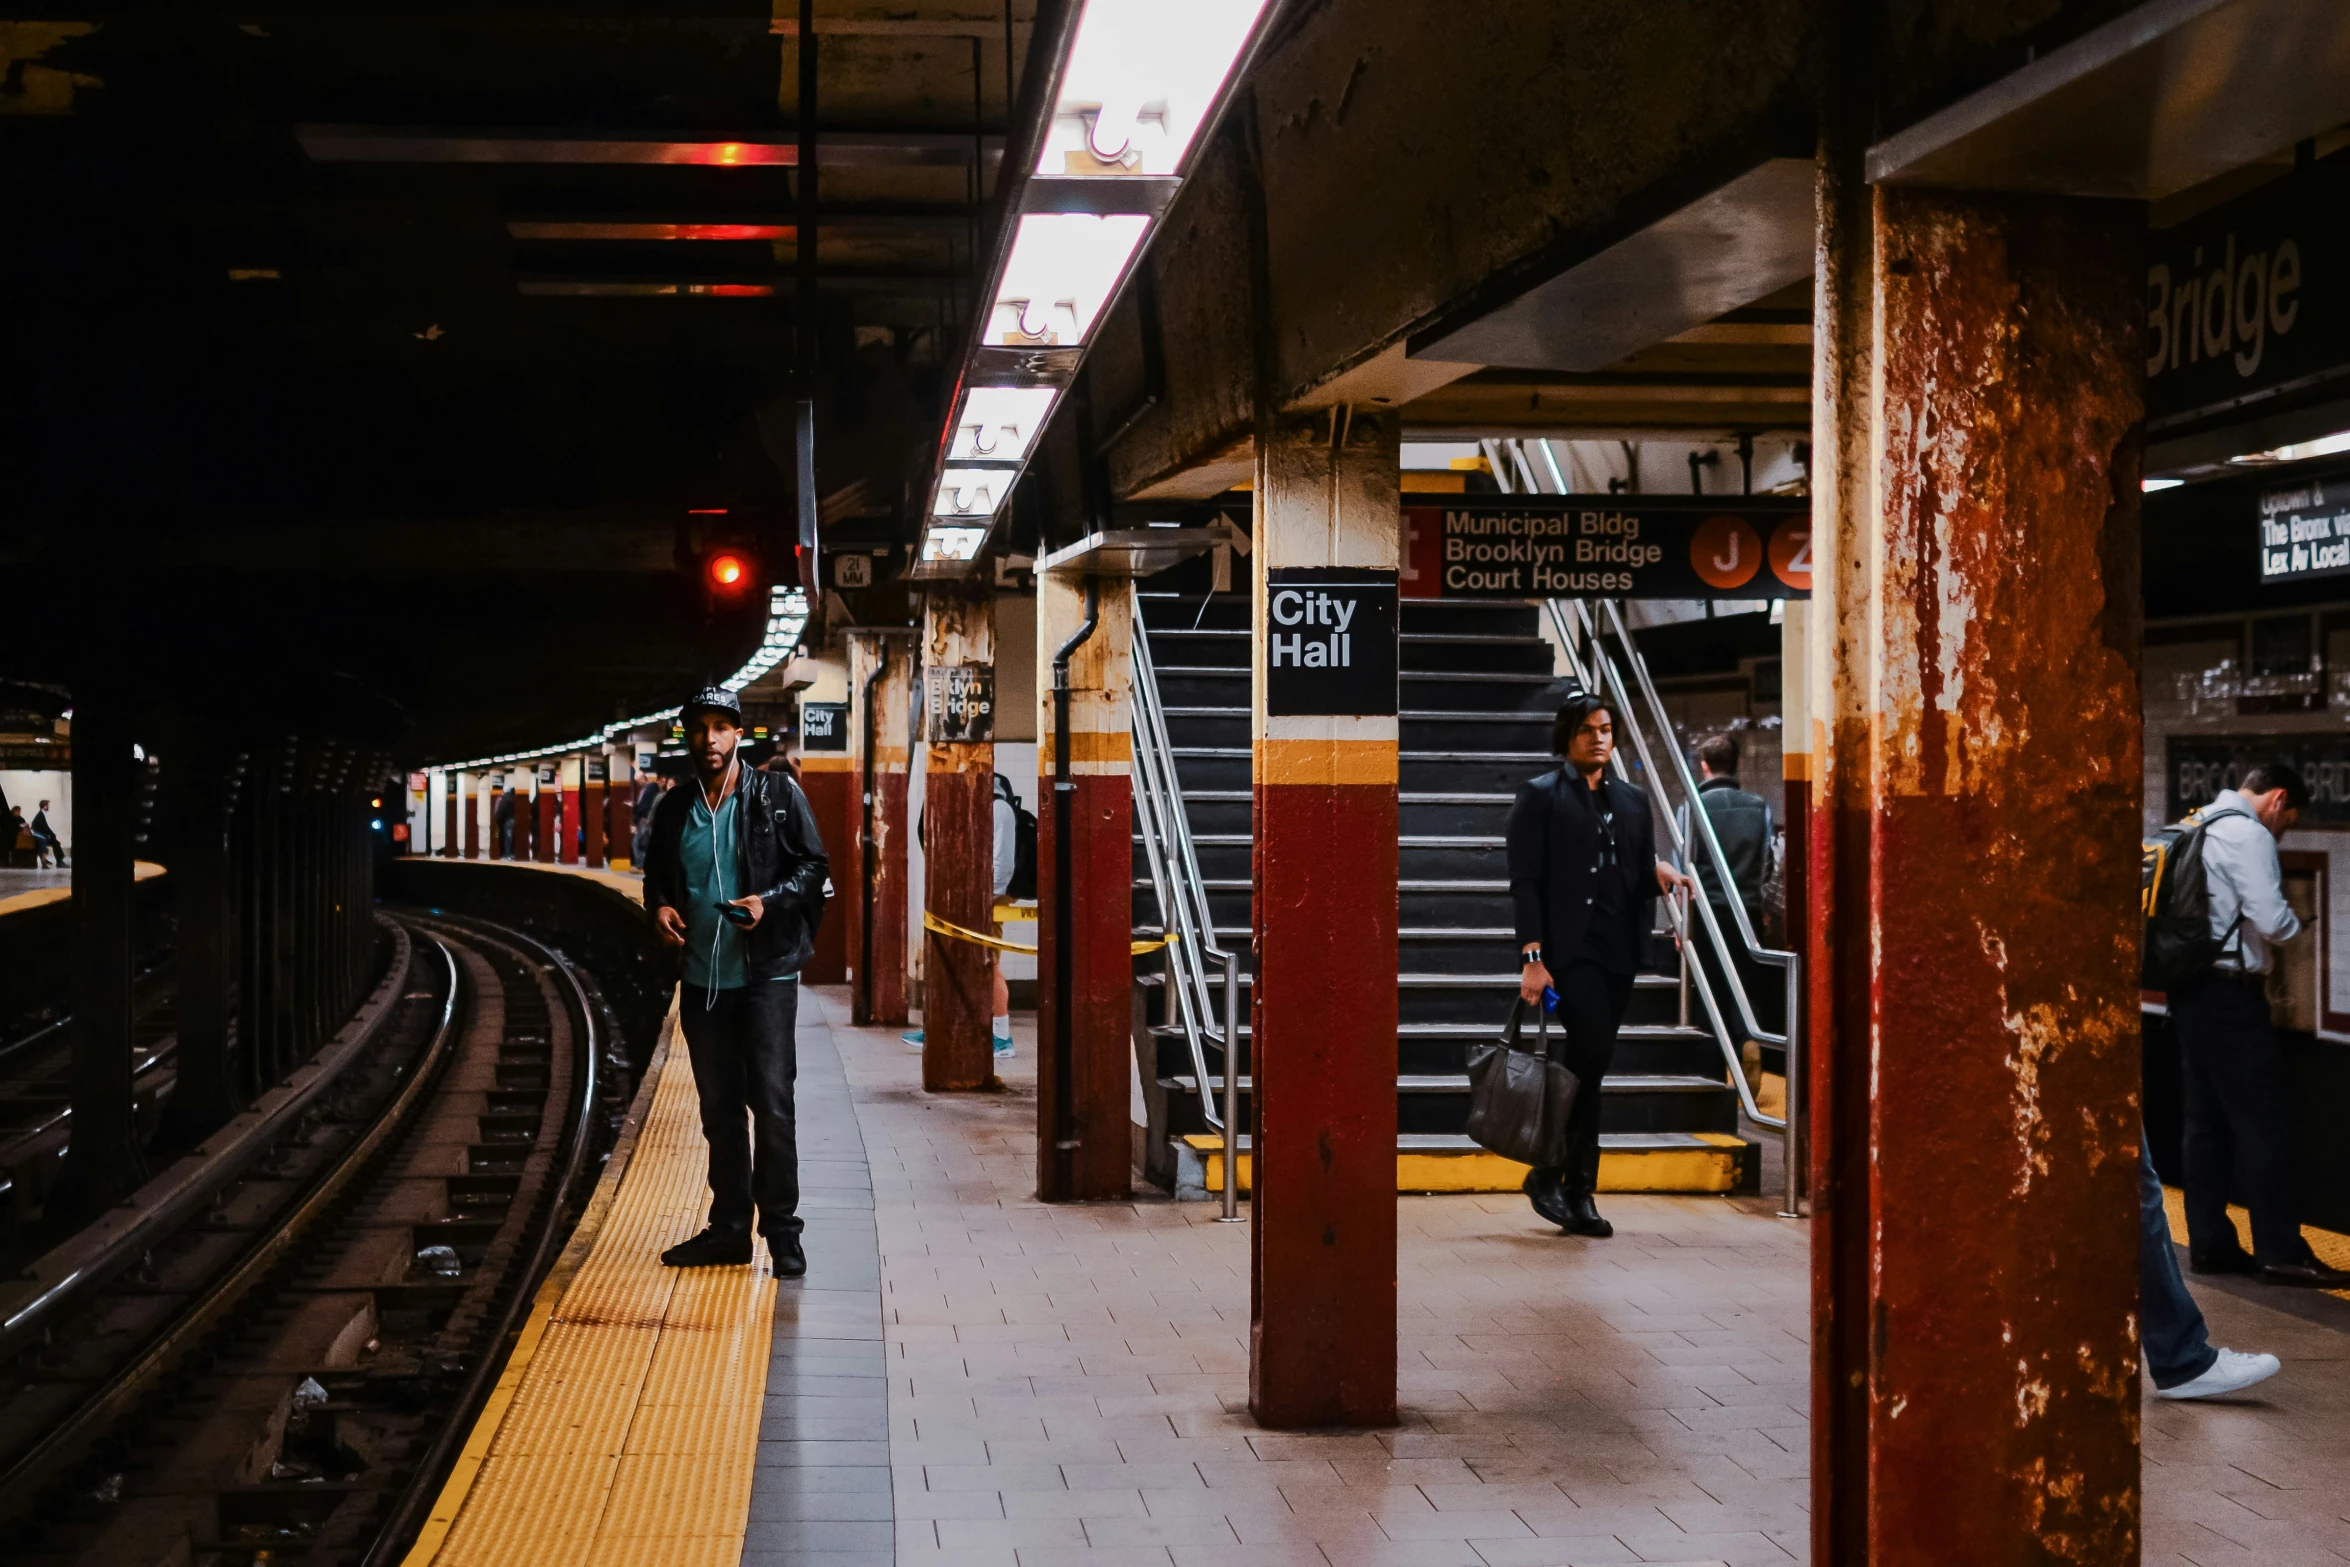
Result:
[[1519, 1099]]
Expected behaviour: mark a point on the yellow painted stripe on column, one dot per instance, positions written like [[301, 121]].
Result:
[[1089, 748], [827, 764], [632, 1433], [1327, 762], [1795, 766]]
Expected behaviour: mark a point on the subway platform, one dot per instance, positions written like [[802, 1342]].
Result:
[[969, 1377]]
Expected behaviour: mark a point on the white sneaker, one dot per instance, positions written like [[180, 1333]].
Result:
[[913, 1041], [2231, 1373]]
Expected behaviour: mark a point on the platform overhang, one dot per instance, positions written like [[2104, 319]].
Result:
[[2160, 99]]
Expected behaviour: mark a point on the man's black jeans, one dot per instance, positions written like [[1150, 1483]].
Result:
[[745, 1060], [2235, 1104]]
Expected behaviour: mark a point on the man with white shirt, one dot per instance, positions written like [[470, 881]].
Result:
[[2234, 1067]]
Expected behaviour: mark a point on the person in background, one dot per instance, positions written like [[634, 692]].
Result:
[[1742, 825], [21, 848], [2236, 1130], [2173, 1339], [1007, 857], [651, 785], [502, 826], [732, 876], [48, 848], [1583, 876]]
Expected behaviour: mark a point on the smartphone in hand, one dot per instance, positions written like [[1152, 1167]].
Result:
[[741, 916], [1550, 999]]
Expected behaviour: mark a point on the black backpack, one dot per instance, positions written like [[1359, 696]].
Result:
[[2175, 897], [1023, 843]]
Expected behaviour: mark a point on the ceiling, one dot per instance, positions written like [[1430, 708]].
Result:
[[427, 346]]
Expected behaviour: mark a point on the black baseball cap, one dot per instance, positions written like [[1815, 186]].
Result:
[[712, 699]]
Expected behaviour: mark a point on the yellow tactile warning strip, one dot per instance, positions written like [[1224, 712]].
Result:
[[17, 903], [2332, 1250], [629, 1433]]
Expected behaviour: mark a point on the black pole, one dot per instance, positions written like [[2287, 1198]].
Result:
[[1065, 1140], [872, 852], [102, 1159]]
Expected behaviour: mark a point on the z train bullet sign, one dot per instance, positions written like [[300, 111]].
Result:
[[1609, 546], [1329, 642]]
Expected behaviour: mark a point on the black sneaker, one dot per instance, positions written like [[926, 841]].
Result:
[[2310, 1275], [784, 1254], [710, 1249]]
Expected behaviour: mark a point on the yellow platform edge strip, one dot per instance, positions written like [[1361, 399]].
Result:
[[2332, 1249], [1709, 1170], [462, 1474]]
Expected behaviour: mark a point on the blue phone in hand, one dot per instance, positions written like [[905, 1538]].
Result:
[[1550, 999], [741, 916]]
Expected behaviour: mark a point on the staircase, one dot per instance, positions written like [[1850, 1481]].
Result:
[[1477, 695]]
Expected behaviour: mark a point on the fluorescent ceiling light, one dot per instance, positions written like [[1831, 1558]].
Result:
[[2323, 446], [1059, 276], [998, 423], [971, 492], [952, 543], [2151, 485], [1141, 77]]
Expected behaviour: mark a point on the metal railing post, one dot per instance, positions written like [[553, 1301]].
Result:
[[1231, 1214]]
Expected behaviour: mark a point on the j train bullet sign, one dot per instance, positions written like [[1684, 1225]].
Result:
[[1329, 642], [1609, 546]]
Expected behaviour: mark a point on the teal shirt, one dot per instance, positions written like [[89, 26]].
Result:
[[710, 849]]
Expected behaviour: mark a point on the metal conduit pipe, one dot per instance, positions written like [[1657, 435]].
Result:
[[1064, 903], [872, 852]]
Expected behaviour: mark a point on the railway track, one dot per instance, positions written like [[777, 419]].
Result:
[[273, 1356]]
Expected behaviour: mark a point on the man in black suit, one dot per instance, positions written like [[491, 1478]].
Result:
[[1584, 875]]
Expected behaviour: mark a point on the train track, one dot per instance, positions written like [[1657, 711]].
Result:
[[279, 1368]]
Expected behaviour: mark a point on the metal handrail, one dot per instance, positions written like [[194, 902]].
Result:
[[1183, 904], [1569, 619]]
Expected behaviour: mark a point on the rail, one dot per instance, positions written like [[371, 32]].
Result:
[[1183, 911], [1581, 635]]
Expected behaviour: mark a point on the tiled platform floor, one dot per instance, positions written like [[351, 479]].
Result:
[[1067, 1386]]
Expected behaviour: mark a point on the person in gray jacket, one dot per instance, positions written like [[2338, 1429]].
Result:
[[1742, 825], [2233, 1066]]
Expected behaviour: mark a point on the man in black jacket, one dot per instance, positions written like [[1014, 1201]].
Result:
[[734, 875], [1584, 876]]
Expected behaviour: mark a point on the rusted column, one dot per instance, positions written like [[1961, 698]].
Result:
[[1977, 752], [830, 780], [592, 793], [572, 772], [620, 811], [452, 809], [1085, 987], [468, 797], [871, 875], [1322, 1352], [958, 838]]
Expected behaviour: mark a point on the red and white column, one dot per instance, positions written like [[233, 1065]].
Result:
[[547, 788], [592, 793], [1322, 1345], [958, 842], [574, 774], [620, 808], [1085, 988]]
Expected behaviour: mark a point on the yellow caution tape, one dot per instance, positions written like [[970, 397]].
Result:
[[953, 932]]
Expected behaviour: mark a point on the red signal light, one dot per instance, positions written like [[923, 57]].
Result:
[[728, 571]]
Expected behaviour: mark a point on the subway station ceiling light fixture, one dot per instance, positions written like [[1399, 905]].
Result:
[[1134, 87]]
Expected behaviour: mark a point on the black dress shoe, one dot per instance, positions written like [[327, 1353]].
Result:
[[785, 1256], [2311, 1275], [2225, 1262], [1542, 1190], [710, 1249], [1583, 1218]]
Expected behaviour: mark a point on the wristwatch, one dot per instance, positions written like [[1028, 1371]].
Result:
[[1532, 954]]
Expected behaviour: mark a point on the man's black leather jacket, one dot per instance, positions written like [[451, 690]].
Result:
[[782, 861]]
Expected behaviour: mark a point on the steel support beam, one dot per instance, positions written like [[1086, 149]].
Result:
[[102, 1160], [1322, 1298], [958, 852], [1975, 656]]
